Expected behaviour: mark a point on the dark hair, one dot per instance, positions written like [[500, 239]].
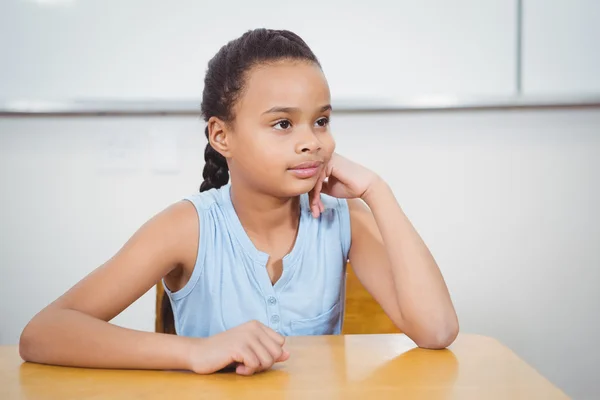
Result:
[[223, 86]]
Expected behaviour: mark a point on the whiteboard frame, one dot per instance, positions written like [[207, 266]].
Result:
[[191, 108]]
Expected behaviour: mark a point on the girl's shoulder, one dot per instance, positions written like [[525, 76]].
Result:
[[207, 199]]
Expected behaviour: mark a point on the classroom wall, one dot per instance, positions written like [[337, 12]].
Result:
[[157, 50], [506, 200]]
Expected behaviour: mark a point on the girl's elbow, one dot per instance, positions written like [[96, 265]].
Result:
[[436, 342], [439, 338], [29, 341], [27, 344]]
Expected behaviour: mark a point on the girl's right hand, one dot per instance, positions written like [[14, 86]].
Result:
[[251, 347]]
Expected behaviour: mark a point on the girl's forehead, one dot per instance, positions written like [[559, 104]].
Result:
[[285, 83]]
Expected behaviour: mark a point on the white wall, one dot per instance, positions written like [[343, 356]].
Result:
[[507, 201], [561, 54], [156, 49]]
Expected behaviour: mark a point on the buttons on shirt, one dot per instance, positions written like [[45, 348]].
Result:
[[272, 312]]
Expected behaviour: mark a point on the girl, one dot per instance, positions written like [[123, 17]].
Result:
[[249, 262]]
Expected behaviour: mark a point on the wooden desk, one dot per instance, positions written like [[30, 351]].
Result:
[[323, 367]]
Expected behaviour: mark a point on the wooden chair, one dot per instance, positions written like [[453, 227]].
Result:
[[363, 315]]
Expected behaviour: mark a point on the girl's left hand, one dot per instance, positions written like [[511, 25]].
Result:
[[341, 178]]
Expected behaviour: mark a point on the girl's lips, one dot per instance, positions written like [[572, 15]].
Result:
[[306, 169], [304, 172]]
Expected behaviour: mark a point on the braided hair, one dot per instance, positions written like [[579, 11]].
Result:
[[223, 86]]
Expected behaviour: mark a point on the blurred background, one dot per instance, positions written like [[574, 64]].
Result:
[[483, 115]]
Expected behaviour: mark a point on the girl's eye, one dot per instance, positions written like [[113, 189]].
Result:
[[282, 125], [323, 121]]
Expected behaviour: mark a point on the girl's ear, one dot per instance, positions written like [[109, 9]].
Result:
[[218, 136]]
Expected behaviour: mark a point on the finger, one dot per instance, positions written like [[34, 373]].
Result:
[[317, 203], [323, 182], [264, 355], [249, 362], [316, 209], [327, 181], [241, 369], [316, 189], [279, 341], [274, 349], [276, 337], [285, 355], [328, 185], [311, 196]]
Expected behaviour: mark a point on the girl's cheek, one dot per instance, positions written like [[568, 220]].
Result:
[[331, 145]]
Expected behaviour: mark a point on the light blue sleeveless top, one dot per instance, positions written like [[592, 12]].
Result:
[[230, 284]]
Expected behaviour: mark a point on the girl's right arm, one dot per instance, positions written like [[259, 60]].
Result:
[[74, 330]]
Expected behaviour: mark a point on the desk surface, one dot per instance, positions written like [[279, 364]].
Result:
[[331, 367]]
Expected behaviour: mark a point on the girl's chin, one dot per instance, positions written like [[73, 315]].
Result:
[[298, 187]]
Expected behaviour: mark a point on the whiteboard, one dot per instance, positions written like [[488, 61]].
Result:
[[561, 47], [158, 50]]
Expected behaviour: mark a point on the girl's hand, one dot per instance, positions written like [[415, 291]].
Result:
[[249, 348], [341, 178]]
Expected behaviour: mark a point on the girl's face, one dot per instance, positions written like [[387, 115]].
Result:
[[280, 140]]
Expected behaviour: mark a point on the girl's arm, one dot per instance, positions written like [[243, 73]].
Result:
[[389, 257], [73, 330], [396, 267]]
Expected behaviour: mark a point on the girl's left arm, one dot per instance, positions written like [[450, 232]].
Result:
[[389, 257]]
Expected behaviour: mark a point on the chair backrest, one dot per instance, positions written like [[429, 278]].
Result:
[[362, 313], [163, 307]]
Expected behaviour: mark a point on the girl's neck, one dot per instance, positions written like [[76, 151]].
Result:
[[264, 215]]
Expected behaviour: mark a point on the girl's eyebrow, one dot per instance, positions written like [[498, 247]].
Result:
[[292, 110]]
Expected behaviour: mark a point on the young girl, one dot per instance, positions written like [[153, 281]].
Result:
[[249, 262]]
